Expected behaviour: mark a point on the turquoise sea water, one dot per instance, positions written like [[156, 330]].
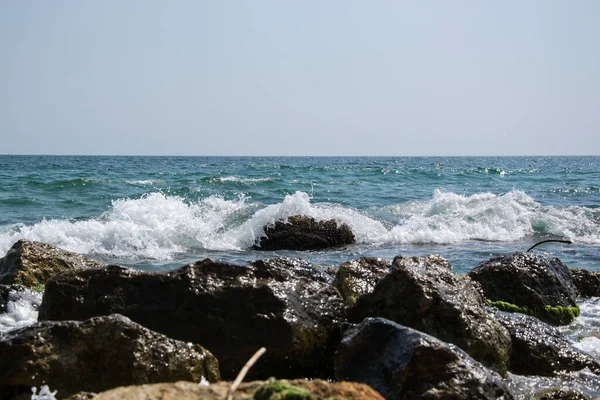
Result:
[[158, 213]]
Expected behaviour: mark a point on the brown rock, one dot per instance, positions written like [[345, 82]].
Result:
[[31, 264]]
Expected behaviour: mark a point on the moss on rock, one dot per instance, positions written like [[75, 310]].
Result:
[[567, 314], [278, 390]]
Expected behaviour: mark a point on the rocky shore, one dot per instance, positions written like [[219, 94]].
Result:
[[397, 329]]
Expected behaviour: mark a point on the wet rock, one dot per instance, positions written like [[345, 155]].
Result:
[[31, 264], [233, 310], [402, 363], [587, 283], [313, 389], [580, 384], [422, 293], [530, 283], [540, 349], [96, 355], [357, 277], [304, 233]]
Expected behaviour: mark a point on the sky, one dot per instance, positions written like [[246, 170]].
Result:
[[298, 78]]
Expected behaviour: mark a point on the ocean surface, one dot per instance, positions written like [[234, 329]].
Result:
[[159, 213]]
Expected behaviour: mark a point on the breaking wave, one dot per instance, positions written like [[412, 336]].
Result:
[[159, 226]]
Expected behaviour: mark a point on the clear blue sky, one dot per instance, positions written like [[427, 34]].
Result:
[[300, 77]]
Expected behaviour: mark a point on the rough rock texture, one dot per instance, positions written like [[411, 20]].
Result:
[[317, 388], [304, 233], [560, 394], [96, 355], [402, 363], [587, 283], [540, 349], [422, 293], [541, 285], [357, 277], [31, 264], [232, 310]]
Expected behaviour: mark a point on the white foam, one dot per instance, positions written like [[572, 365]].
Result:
[[21, 310], [45, 393], [158, 226]]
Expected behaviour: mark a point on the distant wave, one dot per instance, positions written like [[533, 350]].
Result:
[[159, 226]]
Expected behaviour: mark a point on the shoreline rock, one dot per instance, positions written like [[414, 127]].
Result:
[[529, 283], [422, 293], [304, 233], [233, 310], [31, 264], [95, 355]]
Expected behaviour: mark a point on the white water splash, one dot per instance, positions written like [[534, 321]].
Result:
[[21, 310], [45, 393], [159, 227]]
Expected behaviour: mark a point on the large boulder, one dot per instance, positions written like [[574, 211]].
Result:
[[31, 264], [357, 277], [298, 389], [540, 349], [96, 355], [423, 293], [233, 310], [587, 283], [304, 233], [402, 363], [530, 283]]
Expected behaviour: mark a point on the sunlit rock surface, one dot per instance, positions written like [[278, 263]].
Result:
[[402, 363], [422, 293], [313, 389], [531, 283], [233, 310], [357, 277], [96, 355], [31, 264]]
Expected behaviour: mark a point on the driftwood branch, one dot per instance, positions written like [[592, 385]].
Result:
[[549, 240], [243, 372]]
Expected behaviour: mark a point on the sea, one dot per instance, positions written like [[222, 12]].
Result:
[[160, 213]]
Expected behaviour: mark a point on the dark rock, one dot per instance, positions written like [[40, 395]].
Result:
[[530, 283], [587, 283], [297, 389], [402, 363], [96, 355], [304, 233], [357, 277], [422, 293], [232, 310], [540, 349], [31, 264]]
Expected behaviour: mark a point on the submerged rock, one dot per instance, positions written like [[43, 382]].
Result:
[[298, 389], [540, 349], [357, 277], [587, 283], [96, 355], [530, 283], [402, 363], [233, 310], [422, 293], [304, 233], [31, 264]]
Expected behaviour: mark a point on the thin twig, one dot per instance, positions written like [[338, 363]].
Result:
[[244, 371], [549, 240]]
